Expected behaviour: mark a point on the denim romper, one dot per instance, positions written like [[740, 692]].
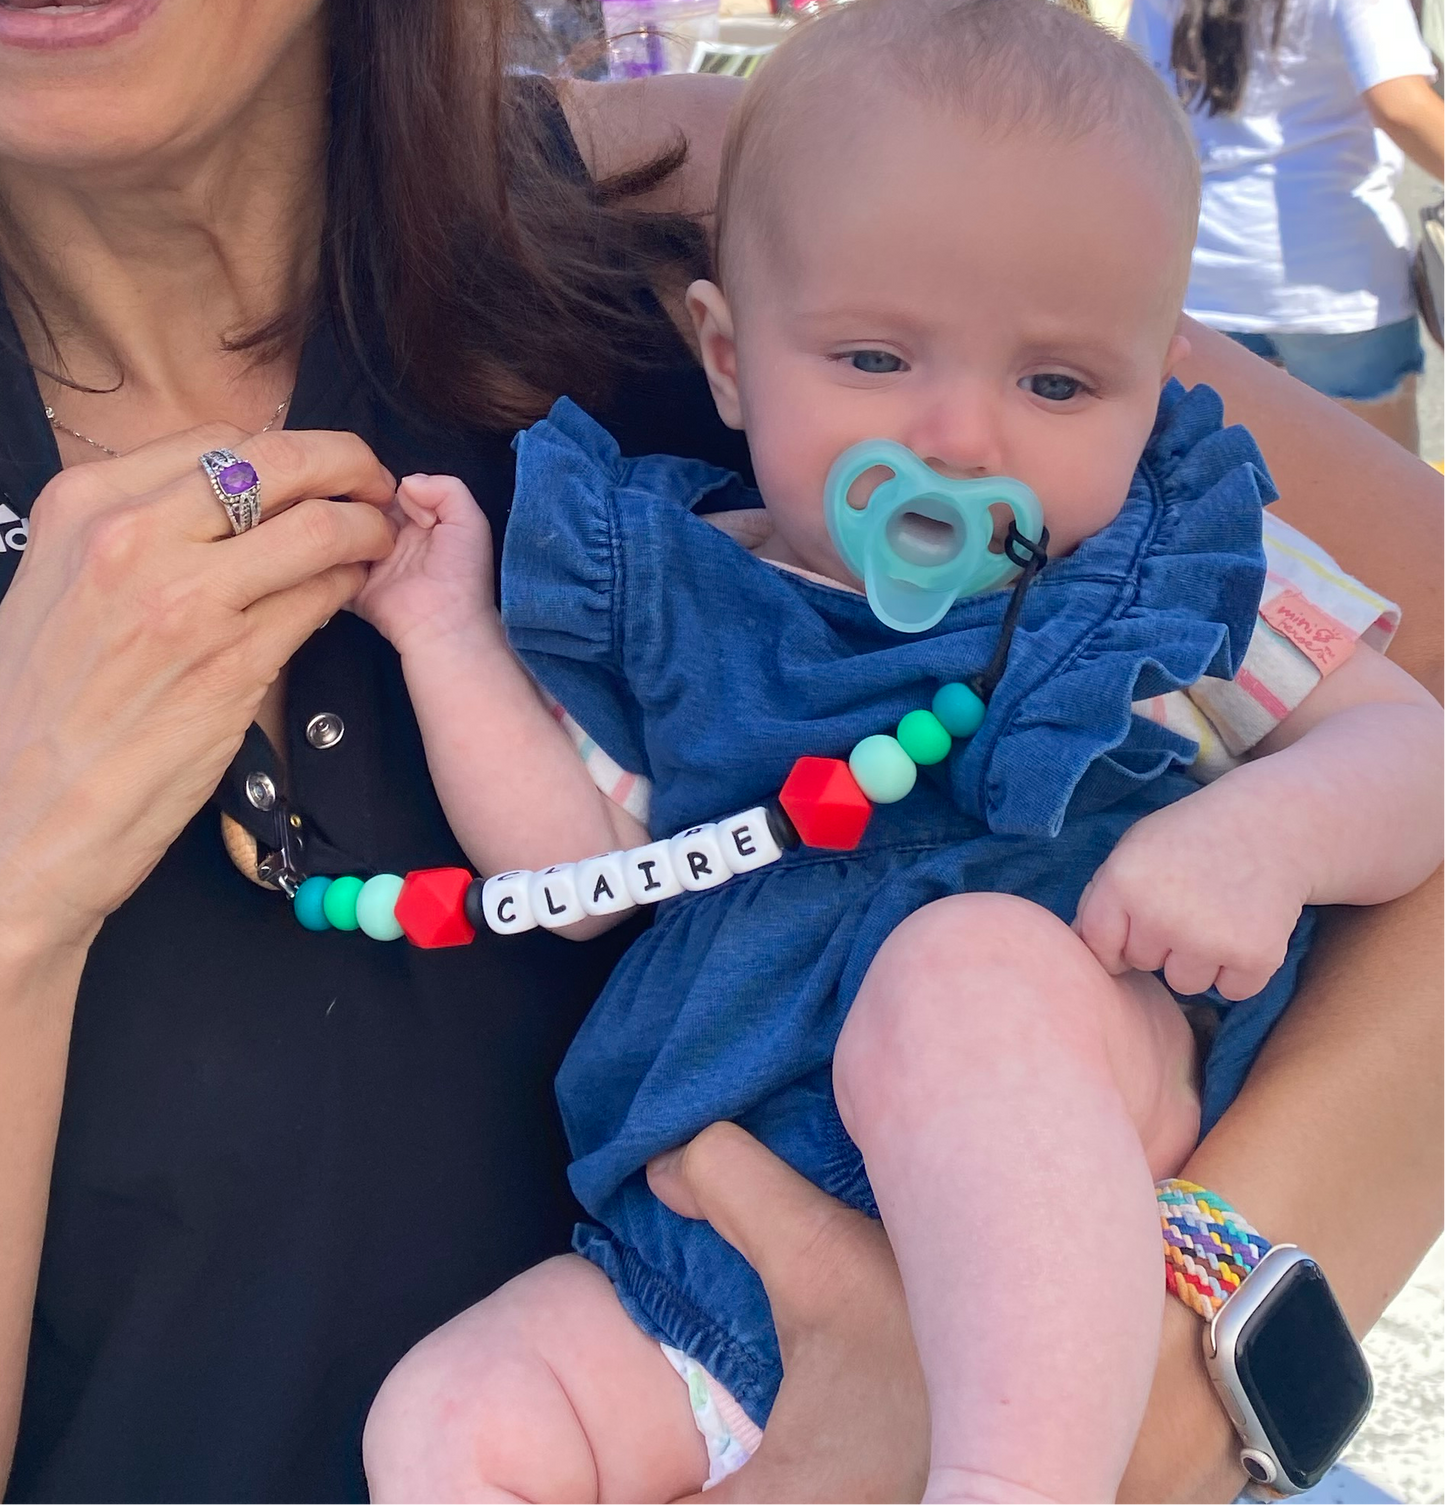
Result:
[[710, 671]]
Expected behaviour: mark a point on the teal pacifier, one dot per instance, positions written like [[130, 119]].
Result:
[[922, 541]]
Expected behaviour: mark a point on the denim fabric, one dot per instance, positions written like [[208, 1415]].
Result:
[[1364, 366], [710, 672]]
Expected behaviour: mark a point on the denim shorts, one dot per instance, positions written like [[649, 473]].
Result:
[[1362, 367]]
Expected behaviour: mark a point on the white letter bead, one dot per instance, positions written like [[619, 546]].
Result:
[[602, 884], [650, 873], [554, 896], [507, 903], [697, 858], [747, 841]]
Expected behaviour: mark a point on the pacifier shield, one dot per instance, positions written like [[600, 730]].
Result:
[[922, 541]]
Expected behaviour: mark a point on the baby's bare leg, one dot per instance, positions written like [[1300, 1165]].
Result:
[[544, 1391], [1014, 1104]]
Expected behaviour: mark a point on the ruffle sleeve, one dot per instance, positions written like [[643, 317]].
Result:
[[1164, 595], [566, 560]]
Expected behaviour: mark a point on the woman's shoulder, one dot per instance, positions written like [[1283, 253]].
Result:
[[621, 125]]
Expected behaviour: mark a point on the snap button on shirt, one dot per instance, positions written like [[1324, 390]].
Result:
[[260, 791], [325, 729]]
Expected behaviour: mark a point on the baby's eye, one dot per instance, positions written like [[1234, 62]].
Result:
[[1052, 387], [875, 362]]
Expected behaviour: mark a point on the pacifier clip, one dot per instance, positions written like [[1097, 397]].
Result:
[[824, 803]]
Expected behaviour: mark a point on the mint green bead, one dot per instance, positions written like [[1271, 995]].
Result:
[[308, 904], [339, 902], [959, 709], [376, 907], [885, 773], [924, 737]]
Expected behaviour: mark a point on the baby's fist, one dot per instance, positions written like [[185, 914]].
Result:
[[1196, 891], [438, 577]]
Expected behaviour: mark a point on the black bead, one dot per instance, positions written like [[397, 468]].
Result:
[[785, 833], [472, 905]]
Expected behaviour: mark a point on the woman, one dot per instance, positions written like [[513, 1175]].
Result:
[[280, 1158], [1303, 253]]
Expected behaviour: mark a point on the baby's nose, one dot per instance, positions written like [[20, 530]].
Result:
[[958, 435], [957, 472]]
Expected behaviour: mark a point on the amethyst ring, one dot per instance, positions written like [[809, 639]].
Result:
[[237, 487]]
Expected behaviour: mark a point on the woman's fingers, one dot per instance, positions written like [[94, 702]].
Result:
[[289, 467], [281, 622], [725, 1176], [138, 639], [851, 1419], [312, 536]]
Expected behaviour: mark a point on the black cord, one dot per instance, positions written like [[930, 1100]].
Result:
[[1035, 557]]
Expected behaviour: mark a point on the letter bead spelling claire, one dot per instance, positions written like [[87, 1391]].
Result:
[[747, 841], [554, 897], [602, 884], [651, 877], [506, 904], [697, 858]]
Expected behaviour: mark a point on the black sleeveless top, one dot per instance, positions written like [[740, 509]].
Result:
[[285, 1157]]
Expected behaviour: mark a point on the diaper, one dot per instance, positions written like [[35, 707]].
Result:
[[731, 1436]]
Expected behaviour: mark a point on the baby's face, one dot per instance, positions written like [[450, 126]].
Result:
[[1000, 307]]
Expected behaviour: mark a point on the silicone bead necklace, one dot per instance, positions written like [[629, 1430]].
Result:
[[824, 802]]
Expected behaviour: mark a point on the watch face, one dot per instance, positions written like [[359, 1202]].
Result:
[[1304, 1374]]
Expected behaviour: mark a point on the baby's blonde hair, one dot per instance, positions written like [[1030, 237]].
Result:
[[1006, 65]]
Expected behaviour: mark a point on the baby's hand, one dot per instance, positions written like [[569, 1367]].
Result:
[[438, 577], [1204, 890]]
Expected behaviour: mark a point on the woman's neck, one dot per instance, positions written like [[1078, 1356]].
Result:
[[141, 272]]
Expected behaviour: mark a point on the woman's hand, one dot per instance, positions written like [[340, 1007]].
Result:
[[136, 643], [851, 1418]]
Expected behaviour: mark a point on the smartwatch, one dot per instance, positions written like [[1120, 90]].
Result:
[[1282, 1359]]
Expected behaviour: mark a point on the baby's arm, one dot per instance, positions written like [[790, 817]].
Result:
[[1341, 804], [512, 785]]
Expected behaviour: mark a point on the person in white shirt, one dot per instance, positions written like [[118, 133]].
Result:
[[1301, 111]]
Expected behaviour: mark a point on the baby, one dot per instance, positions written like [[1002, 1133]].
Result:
[[963, 226]]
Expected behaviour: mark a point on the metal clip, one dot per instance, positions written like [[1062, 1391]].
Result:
[[285, 868]]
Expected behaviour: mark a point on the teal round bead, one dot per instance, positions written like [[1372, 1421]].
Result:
[[308, 905], [885, 773], [959, 709], [924, 737], [376, 907], [339, 902]]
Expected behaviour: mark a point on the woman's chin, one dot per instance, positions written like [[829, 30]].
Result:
[[64, 27]]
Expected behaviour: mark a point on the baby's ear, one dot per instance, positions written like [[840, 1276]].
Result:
[[1179, 348], [713, 321]]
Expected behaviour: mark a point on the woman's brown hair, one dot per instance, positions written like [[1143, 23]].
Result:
[[1213, 45], [460, 234], [499, 274]]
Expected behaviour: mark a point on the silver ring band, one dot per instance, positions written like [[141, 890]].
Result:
[[237, 487]]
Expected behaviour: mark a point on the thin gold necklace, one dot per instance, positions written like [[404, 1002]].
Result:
[[65, 428]]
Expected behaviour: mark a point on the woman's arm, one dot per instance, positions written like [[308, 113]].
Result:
[[1360, 496], [1334, 1140], [37, 998], [136, 643], [1412, 115]]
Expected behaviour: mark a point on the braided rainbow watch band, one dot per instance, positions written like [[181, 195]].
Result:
[[1208, 1247]]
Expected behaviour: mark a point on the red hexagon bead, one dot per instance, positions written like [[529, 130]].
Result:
[[826, 805], [431, 908]]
